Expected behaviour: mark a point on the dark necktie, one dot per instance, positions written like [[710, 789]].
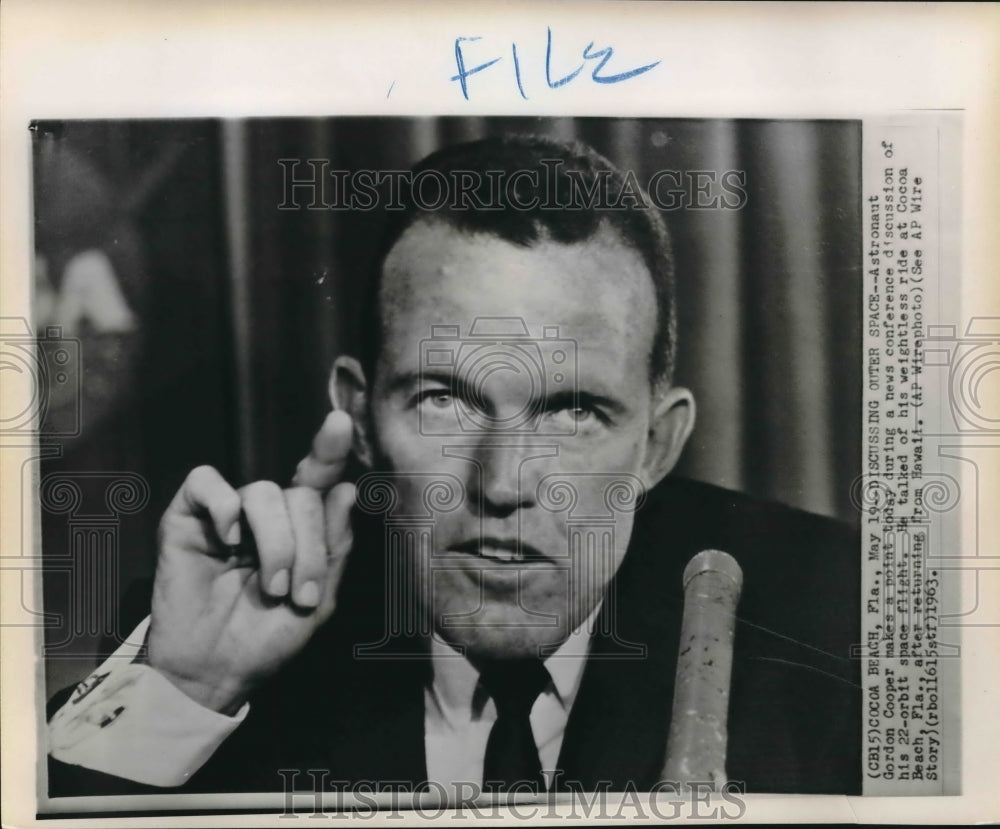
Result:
[[511, 753]]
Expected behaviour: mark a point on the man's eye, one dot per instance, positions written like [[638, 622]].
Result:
[[438, 398], [577, 415]]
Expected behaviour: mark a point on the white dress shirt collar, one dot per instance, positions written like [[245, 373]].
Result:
[[459, 697]]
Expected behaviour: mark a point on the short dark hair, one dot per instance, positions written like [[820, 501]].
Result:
[[563, 204]]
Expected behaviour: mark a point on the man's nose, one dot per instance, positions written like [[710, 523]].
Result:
[[501, 488], [501, 474]]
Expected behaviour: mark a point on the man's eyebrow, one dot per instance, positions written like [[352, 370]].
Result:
[[409, 379]]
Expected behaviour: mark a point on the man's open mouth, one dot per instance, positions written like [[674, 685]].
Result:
[[502, 550]]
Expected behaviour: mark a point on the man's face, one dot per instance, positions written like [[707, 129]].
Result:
[[518, 378]]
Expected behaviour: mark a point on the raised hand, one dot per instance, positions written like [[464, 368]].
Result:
[[223, 620]]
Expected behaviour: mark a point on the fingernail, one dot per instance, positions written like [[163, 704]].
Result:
[[233, 536], [279, 584], [308, 595], [352, 497]]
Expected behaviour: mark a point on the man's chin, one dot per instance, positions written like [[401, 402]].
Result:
[[483, 627], [512, 641]]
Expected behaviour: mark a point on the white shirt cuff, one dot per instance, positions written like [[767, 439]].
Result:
[[130, 721]]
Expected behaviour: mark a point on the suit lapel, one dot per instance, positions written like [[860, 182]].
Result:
[[616, 734], [384, 737], [375, 694]]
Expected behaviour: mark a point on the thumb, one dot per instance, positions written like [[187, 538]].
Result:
[[337, 506]]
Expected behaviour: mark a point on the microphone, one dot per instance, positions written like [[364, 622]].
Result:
[[696, 744]]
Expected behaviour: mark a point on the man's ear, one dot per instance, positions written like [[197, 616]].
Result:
[[349, 392], [670, 425]]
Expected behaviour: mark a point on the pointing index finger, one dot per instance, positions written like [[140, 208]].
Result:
[[322, 467]]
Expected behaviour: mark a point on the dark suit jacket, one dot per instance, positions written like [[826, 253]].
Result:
[[795, 710]]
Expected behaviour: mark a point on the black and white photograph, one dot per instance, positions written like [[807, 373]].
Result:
[[571, 412], [492, 455]]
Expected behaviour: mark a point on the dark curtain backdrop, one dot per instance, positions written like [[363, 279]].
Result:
[[242, 306]]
